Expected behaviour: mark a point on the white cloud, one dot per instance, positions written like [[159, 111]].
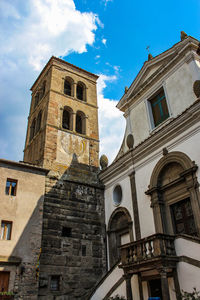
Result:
[[30, 32], [50, 27], [116, 68], [111, 121], [104, 41], [106, 1], [97, 56]]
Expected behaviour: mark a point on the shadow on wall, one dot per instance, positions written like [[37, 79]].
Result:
[[70, 222]]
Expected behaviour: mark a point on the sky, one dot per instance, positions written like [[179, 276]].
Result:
[[105, 37]]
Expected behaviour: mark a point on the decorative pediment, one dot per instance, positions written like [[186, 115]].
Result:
[[154, 67], [149, 70]]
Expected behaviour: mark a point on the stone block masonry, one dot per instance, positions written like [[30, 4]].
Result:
[[73, 242]]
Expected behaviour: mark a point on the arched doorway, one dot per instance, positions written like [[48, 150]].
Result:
[[119, 233]]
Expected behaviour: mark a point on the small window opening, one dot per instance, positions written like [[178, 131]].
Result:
[[55, 283], [79, 91], [32, 130], [159, 108], [37, 98], [80, 122], [66, 232], [117, 195], [83, 250], [66, 119], [11, 187], [79, 128], [67, 88], [6, 227], [38, 123], [43, 89]]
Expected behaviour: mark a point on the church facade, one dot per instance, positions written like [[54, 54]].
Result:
[[70, 231], [152, 200]]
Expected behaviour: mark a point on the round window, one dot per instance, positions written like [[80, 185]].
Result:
[[117, 195]]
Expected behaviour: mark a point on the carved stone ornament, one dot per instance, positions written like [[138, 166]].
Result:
[[103, 161], [130, 141], [196, 88], [183, 35], [150, 56]]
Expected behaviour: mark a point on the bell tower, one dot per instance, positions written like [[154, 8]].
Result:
[[62, 136], [63, 118]]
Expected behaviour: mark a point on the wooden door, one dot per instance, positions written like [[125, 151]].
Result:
[[4, 281]]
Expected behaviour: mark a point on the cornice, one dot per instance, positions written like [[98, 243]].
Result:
[[24, 165], [155, 141]]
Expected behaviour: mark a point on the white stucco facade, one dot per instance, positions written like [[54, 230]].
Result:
[[173, 143]]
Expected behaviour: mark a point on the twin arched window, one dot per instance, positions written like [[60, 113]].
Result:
[[80, 89], [68, 87], [80, 122], [35, 126], [67, 120], [40, 94]]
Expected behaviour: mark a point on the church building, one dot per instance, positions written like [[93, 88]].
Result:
[[152, 199]]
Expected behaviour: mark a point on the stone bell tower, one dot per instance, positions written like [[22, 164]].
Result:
[[63, 118], [63, 137]]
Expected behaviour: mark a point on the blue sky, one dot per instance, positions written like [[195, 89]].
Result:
[[106, 37]]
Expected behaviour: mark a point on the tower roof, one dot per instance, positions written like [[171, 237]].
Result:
[[69, 65]]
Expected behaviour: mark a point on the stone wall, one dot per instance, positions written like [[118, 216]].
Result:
[[74, 201]]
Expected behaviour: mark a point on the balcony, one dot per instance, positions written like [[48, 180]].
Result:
[[155, 251]]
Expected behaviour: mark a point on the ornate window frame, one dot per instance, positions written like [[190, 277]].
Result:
[[161, 206]]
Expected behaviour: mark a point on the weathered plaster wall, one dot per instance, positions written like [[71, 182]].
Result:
[[126, 197], [110, 280], [179, 87], [186, 271], [139, 122], [25, 212]]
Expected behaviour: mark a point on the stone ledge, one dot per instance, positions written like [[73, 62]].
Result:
[[12, 260]]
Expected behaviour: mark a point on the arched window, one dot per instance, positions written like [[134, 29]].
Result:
[[174, 195], [67, 119], [37, 99], [81, 91], [32, 130], [80, 122], [43, 89], [38, 123], [68, 87], [119, 233]]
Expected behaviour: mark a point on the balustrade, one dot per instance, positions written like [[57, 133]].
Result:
[[157, 245]]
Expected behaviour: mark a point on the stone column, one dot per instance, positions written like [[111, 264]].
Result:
[[176, 284], [140, 287], [74, 89], [74, 121], [164, 285], [135, 206], [128, 286]]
